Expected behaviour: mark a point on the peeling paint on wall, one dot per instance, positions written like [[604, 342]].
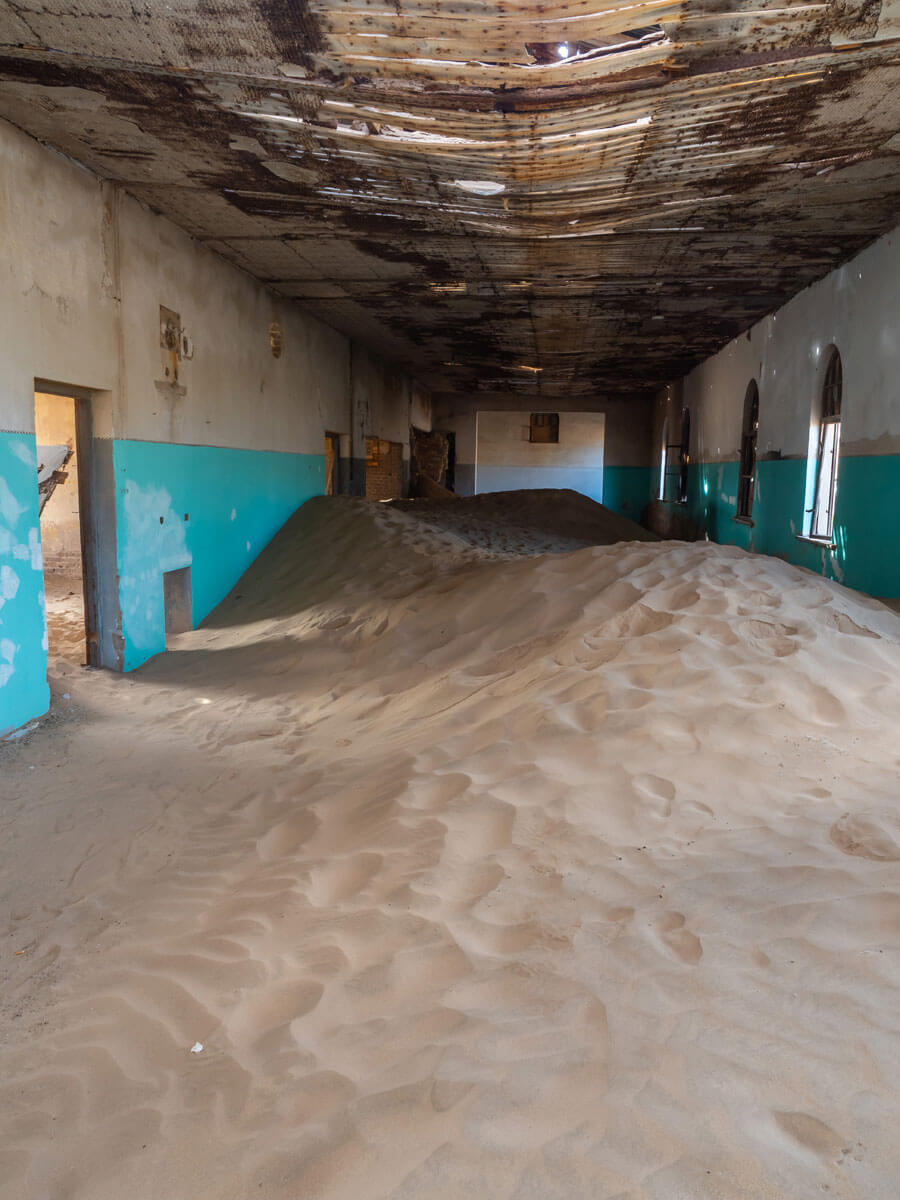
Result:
[[207, 508], [23, 628]]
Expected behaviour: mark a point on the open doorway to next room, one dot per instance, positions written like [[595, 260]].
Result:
[[61, 527]]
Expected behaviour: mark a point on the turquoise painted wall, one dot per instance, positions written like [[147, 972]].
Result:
[[208, 508], [627, 490], [868, 498], [23, 628]]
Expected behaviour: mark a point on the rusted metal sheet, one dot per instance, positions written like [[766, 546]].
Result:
[[564, 198]]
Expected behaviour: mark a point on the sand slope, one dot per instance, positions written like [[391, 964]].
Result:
[[476, 874]]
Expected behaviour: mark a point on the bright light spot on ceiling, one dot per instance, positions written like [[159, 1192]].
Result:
[[480, 187]]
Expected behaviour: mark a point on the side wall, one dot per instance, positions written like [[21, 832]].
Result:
[[627, 456], [855, 309], [197, 457]]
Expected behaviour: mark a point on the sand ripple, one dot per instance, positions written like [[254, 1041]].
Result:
[[476, 870]]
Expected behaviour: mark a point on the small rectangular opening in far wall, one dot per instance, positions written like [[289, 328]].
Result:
[[177, 601], [544, 427]]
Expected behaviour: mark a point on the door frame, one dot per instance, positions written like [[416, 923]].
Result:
[[97, 519]]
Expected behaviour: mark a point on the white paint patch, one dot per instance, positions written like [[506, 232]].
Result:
[[8, 650], [9, 584], [25, 454], [163, 544], [233, 514], [7, 669], [34, 546], [10, 508], [248, 545]]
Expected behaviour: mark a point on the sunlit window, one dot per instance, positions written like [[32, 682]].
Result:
[[748, 451], [825, 488]]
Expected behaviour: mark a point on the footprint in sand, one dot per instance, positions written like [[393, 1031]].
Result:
[[844, 624], [868, 835], [658, 791], [678, 940], [810, 1132], [771, 636]]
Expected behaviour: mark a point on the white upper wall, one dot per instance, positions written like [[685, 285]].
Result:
[[504, 440], [84, 271], [854, 308], [58, 309]]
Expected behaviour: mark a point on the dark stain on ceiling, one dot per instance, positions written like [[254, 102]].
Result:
[[557, 199]]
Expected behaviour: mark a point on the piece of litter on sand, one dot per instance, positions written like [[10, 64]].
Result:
[[66, 696], [196, 1048]]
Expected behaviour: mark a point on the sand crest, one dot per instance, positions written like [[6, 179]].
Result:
[[476, 870]]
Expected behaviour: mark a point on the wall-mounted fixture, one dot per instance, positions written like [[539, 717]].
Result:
[[170, 338], [276, 339]]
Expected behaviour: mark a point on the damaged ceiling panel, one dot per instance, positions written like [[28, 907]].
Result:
[[583, 197]]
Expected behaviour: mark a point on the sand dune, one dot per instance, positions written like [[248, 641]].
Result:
[[476, 871]]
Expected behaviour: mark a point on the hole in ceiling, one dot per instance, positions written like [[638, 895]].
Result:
[[480, 187], [545, 53]]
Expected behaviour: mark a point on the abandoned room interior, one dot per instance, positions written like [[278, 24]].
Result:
[[449, 590]]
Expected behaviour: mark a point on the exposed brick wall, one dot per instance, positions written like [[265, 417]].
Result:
[[384, 469]]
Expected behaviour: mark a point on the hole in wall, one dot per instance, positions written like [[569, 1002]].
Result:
[[177, 602]]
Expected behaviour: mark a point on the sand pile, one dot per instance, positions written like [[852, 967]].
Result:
[[541, 521], [550, 877]]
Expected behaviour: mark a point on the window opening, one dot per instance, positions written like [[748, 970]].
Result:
[[332, 463], [544, 427], [661, 490], [684, 456], [674, 462], [825, 489], [749, 437]]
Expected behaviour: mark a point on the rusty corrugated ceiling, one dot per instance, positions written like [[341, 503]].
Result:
[[556, 198]]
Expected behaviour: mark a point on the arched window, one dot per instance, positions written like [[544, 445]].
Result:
[[825, 488], [673, 461], [663, 460], [684, 456], [748, 451]]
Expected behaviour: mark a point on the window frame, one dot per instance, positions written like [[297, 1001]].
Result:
[[749, 444], [828, 450], [539, 420]]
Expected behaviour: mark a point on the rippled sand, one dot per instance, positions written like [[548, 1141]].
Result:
[[477, 872]]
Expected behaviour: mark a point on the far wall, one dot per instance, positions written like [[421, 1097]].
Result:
[[506, 459], [627, 453]]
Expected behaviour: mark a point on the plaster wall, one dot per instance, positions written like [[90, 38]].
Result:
[[198, 472], [855, 309], [506, 459], [627, 454]]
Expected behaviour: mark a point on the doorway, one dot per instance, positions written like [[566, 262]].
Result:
[[332, 463], [63, 472]]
